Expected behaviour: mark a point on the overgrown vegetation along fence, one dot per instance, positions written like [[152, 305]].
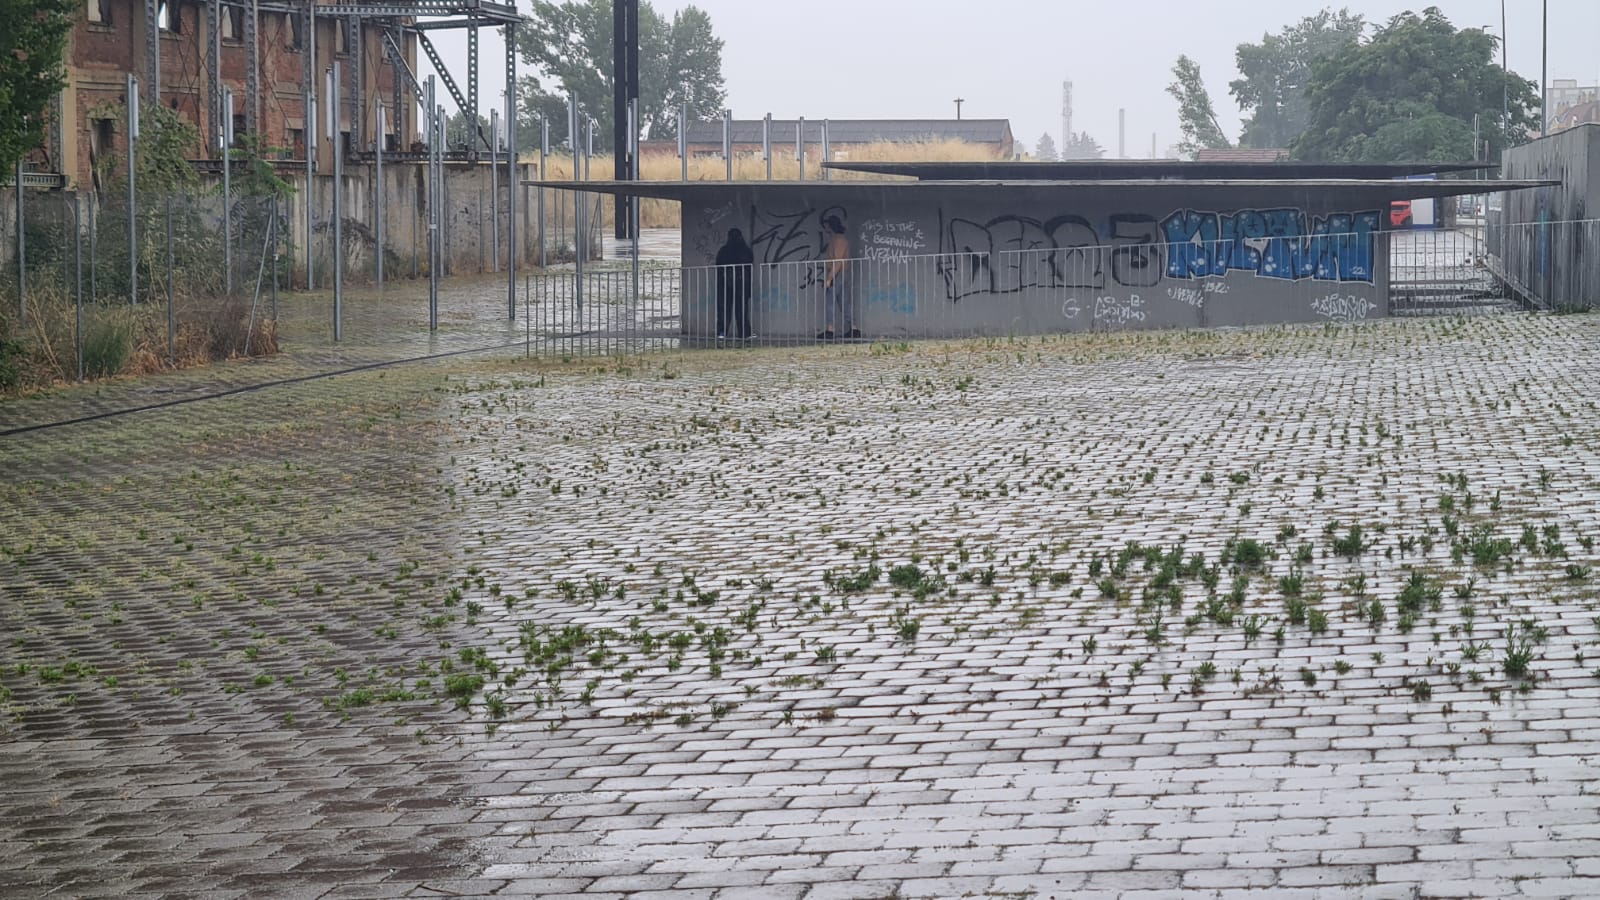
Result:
[[82, 301]]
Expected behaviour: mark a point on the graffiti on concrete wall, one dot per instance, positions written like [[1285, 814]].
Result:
[[1008, 254], [1184, 258], [1271, 243], [1342, 307], [791, 236], [889, 240]]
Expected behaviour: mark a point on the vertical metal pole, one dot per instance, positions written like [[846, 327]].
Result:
[[1505, 74], [273, 236], [800, 145], [337, 147], [22, 256], [577, 210], [494, 197], [512, 187], [308, 73], [310, 194], [172, 312], [683, 139], [77, 269], [766, 143], [633, 202], [133, 203], [225, 148], [430, 114], [446, 262], [378, 198], [827, 174], [544, 152], [1544, 73], [727, 142]]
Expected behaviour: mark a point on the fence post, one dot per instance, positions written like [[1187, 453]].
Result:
[[377, 200], [511, 176], [77, 270], [337, 146], [272, 228], [433, 209], [494, 194], [544, 151], [800, 145], [22, 254], [225, 147], [172, 315], [827, 173], [633, 202], [766, 143], [727, 141], [577, 212], [133, 203]]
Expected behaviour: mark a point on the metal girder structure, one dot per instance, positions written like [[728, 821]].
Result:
[[399, 62], [214, 64], [252, 72], [308, 67], [461, 10], [450, 84], [353, 43], [152, 51], [472, 88]]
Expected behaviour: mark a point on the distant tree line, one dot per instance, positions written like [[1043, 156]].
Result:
[[1415, 89]]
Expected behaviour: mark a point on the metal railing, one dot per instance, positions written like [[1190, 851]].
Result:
[[1547, 265], [1104, 286]]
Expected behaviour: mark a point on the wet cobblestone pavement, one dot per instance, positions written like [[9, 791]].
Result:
[[1304, 612]]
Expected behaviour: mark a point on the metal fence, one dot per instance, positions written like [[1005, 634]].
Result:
[[1547, 265], [1335, 277], [180, 279]]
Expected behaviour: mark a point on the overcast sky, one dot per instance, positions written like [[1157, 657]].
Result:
[[847, 59]]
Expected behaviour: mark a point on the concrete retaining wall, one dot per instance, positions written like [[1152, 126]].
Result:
[[952, 260], [1545, 240]]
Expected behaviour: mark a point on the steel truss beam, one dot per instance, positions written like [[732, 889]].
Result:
[[499, 13], [450, 85], [252, 71]]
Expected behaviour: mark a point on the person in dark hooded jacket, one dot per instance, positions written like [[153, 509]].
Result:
[[735, 267]]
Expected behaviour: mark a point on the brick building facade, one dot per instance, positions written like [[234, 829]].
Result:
[[112, 41]]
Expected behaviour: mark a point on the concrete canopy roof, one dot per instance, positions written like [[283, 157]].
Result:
[[1178, 192], [1110, 169]]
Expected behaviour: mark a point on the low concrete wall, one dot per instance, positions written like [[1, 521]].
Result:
[[951, 260]]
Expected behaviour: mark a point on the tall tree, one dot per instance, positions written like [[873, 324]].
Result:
[[1080, 145], [1197, 118], [1271, 91], [1410, 94], [1045, 150], [568, 45], [32, 46]]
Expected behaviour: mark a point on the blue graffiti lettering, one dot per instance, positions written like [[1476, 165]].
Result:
[[899, 298], [1272, 243]]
